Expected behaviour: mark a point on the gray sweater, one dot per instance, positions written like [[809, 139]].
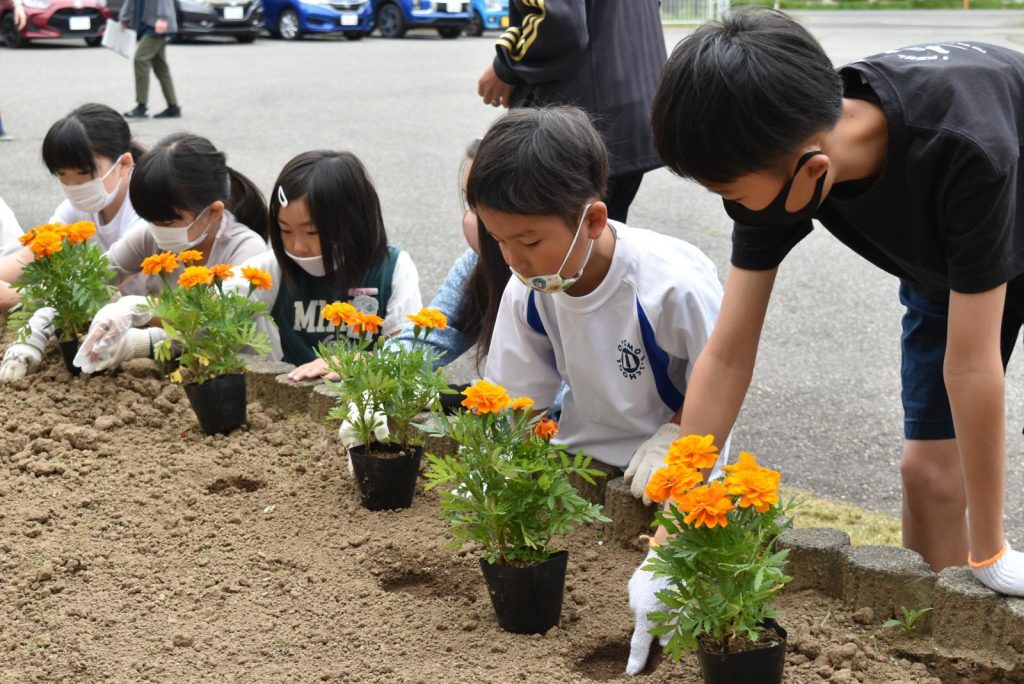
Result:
[[152, 10]]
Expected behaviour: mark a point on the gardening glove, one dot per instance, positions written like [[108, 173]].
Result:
[[22, 358], [643, 599], [649, 457], [137, 343], [349, 438], [109, 327]]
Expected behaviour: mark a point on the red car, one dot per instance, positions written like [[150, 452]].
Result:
[[55, 19]]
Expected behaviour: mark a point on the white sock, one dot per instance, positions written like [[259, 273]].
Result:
[[1006, 575]]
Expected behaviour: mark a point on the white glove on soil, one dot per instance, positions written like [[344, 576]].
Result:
[[649, 457], [643, 589], [348, 436], [109, 327], [137, 343], [22, 358]]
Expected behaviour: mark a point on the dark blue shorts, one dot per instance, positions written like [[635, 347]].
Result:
[[926, 412]]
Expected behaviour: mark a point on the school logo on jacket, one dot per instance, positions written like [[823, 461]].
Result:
[[632, 360], [309, 315]]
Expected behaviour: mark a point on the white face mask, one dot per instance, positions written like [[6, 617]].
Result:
[[92, 196], [313, 265], [175, 238], [556, 282]]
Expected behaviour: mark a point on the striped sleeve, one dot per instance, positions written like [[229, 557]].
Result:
[[544, 42]]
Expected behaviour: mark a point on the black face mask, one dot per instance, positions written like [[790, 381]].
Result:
[[775, 213]]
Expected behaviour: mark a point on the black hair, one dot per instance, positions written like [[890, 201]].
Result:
[[344, 207], [478, 309], [740, 95], [186, 173], [540, 162], [90, 131]]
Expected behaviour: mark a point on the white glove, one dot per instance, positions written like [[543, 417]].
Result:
[[643, 599], [137, 343], [22, 358], [649, 457], [347, 432], [109, 326]]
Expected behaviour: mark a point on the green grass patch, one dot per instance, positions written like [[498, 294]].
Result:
[[864, 527]]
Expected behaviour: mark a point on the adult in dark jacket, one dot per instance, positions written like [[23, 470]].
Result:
[[604, 56], [154, 21]]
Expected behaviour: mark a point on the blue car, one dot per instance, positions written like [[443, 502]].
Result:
[[488, 15], [292, 19], [395, 17]]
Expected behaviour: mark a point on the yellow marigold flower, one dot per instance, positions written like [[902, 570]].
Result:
[[365, 322], [672, 481], [257, 277], [708, 506], [486, 397], [339, 313], [521, 404], [746, 461], [46, 243], [195, 275], [757, 489], [80, 232], [222, 271], [165, 262], [545, 428], [28, 237], [190, 256], [693, 451], [429, 318]]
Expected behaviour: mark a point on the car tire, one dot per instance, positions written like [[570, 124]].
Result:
[[391, 21], [94, 42], [475, 27], [12, 36], [246, 38], [288, 25], [449, 31], [354, 35]]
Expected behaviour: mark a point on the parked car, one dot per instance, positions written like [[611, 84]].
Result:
[[291, 19], [55, 19], [395, 17], [239, 19], [487, 14]]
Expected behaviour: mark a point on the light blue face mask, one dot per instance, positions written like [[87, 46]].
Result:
[[556, 282]]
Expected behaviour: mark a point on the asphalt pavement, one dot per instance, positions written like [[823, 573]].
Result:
[[824, 405]]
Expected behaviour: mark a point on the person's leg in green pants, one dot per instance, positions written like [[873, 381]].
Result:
[[163, 74], [151, 52]]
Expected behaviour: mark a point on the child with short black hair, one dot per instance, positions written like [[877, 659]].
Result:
[[616, 313], [912, 159]]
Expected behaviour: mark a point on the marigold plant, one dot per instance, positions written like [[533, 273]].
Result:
[[208, 325], [69, 273], [380, 378], [720, 556], [508, 488]]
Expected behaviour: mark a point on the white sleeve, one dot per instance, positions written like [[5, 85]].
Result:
[[10, 230], [64, 213], [268, 262], [405, 295], [520, 358], [126, 255]]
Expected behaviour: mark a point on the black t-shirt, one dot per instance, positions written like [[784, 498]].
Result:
[[943, 212]]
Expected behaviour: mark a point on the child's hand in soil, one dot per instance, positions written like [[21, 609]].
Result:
[[643, 600], [22, 358], [109, 327]]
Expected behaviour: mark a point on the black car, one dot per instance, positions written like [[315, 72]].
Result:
[[240, 19]]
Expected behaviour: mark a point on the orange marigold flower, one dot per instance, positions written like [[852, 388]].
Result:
[[546, 428], [195, 275], [339, 313], [429, 318], [746, 461], [757, 487], [222, 271], [28, 237], [190, 256], [80, 232], [165, 262], [672, 481], [693, 451], [486, 397], [46, 243], [708, 506], [257, 277], [365, 322], [521, 404]]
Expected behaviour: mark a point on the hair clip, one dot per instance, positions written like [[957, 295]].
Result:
[[281, 196]]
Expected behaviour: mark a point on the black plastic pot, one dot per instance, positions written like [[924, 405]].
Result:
[[67, 352], [527, 600], [386, 475], [757, 666], [219, 404]]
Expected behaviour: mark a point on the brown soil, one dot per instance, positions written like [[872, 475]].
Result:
[[134, 548]]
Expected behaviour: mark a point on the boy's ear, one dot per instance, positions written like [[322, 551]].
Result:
[[597, 219]]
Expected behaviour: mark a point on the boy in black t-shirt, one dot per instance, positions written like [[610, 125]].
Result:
[[911, 159]]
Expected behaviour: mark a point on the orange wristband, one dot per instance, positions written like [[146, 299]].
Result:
[[991, 561]]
